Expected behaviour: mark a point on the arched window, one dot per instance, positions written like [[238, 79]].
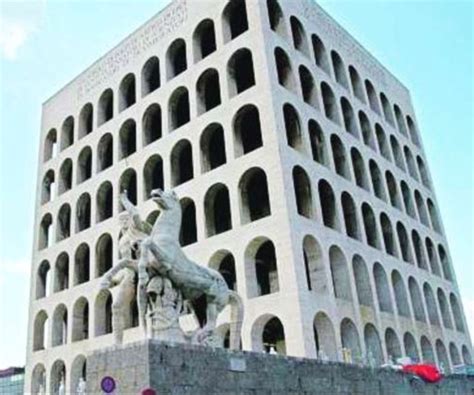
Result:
[[443, 359], [416, 300], [103, 255], [240, 71], [392, 344], [208, 91], [382, 288], [362, 282], [350, 123], [410, 163], [382, 142], [427, 351], [431, 304], [401, 298], [387, 111], [387, 233], [83, 212], [223, 261], [47, 187], [318, 144], [234, 19], [104, 201], [350, 216], [294, 136], [400, 121], [204, 39], [105, 152], [308, 87], [330, 104], [275, 16], [63, 223], [217, 210], [272, 335], [372, 95], [182, 169], [85, 120], [358, 166], [466, 356], [82, 264], [300, 42], [65, 176], [103, 313], [128, 182], [444, 308], [179, 111], [58, 374], [413, 131], [44, 237], [397, 153], [247, 130], [366, 130], [454, 354], [404, 243], [152, 175], [433, 257], [80, 320], [320, 53], [212, 147], [377, 182], [372, 344], [339, 157], [423, 172], [78, 371], [303, 194], [421, 208], [370, 226], [261, 268], [67, 133], [151, 78], [127, 92], [60, 326], [411, 349], [128, 139], [42, 280], [40, 331], [443, 257], [188, 233], [457, 314], [284, 70], [433, 216], [339, 274], [356, 82], [176, 61], [314, 265], [419, 251], [350, 338], [84, 165], [38, 379], [328, 205], [339, 69], [325, 337], [105, 110], [407, 199], [254, 197], [50, 145], [392, 190], [151, 123]]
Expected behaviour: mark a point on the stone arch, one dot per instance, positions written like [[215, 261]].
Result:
[[82, 264], [80, 319], [268, 332], [223, 261], [314, 265], [38, 379], [410, 163], [47, 187], [339, 69], [84, 165], [407, 199], [103, 313], [204, 39], [303, 193], [350, 338], [40, 331], [152, 124], [404, 243], [366, 130], [372, 344], [427, 353], [63, 222], [432, 257], [445, 264], [413, 131], [127, 92], [372, 95], [362, 281], [430, 304], [65, 176], [104, 201], [350, 216], [444, 308], [370, 226], [400, 121], [254, 196], [318, 144], [217, 210], [50, 145], [151, 78], [83, 212], [416, 300], [43, 275], [356, 82], [44, 237], [421, 208], [308, 87], [466, 355], [208, 91], [275, 17], [176, 61], [400, 292], [188, 233], [442, 355], [59, 326], [397, 153], [435, 223], [240, 71], [388, 236], [294, 135], [105, 107], [324, 336], [284, 70], [212, 145], [340, 157], [457, 313], [105, 152], [339, 273], [67, 133], [57, 377], [234, 19], [411, 348], [360, 172], [78, 370], [392, 190], [178, 108], [454, 354], [382, 142], [300, 41], [423, 172], [128, 182], [328, 205], [128, 139], [387, 109], [103, 255], [348, 115], [392, 344], [153, 177], [247, 130], [329, 103], [377, 181], [419, 250], [320, 54], [382, 288], [61, 273]]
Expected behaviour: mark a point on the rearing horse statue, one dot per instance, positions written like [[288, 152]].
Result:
[[161, 253]]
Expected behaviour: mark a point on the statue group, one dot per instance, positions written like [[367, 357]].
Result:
[[153, 268]]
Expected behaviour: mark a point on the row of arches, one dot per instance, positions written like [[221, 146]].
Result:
[[247, 133], [252, 191], [332, 63]]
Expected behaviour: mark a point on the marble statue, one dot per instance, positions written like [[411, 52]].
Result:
[[167, 279]]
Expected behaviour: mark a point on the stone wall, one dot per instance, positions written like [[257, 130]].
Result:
[[178, 369]]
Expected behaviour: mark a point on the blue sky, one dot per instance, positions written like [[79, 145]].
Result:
[[44, 44]]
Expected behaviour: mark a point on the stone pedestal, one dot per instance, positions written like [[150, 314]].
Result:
[[195, 370]]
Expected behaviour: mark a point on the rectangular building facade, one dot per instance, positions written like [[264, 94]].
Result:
[[301, 174]]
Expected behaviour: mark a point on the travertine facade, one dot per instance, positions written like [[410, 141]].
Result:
[[302, 178]]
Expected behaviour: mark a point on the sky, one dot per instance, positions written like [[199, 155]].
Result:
[[427, 45]]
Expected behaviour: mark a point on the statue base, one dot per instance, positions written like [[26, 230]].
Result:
[[187, 369]]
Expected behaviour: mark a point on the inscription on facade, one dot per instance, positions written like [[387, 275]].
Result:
[[165, 23]]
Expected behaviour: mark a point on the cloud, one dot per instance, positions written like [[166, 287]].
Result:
[[13, 35]]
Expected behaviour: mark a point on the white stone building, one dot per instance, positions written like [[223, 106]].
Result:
[[302, 177]]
